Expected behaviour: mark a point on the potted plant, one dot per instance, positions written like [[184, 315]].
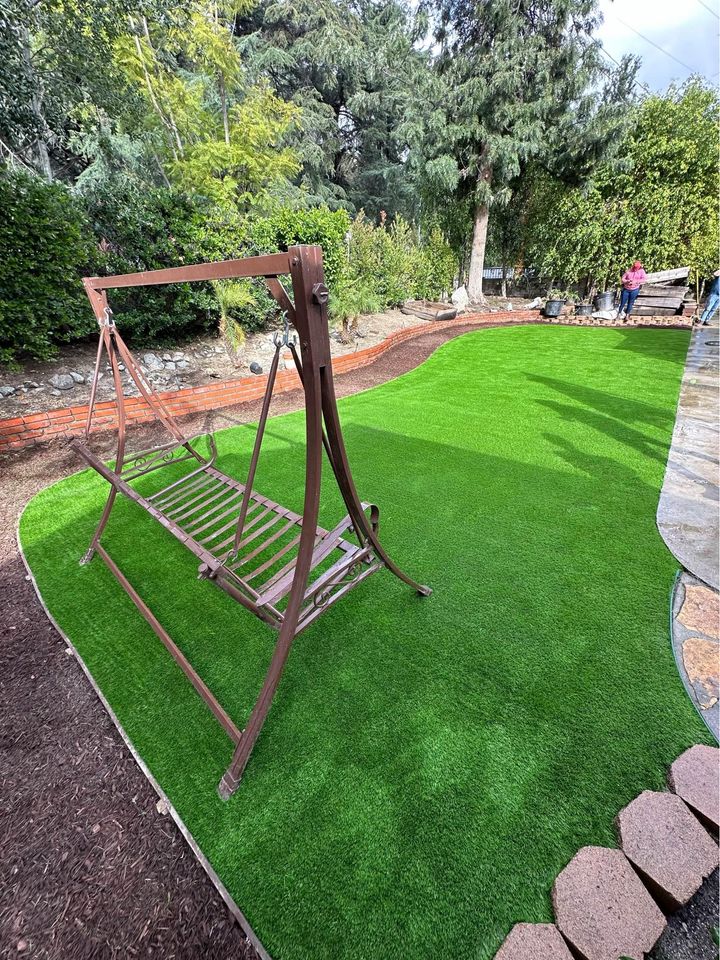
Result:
[[605, 301], [556, 300], [583, 309]]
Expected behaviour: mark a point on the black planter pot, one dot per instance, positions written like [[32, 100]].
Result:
[[553, 308], [604, 301], [583, 310]]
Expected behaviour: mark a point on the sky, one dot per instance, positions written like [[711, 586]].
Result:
[[684, 29]]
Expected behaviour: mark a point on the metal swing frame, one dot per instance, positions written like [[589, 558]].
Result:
[[276, 563]]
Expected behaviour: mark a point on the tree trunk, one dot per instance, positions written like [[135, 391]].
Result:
[[479, 242], [223, 106], [477, 254], [40, 150]]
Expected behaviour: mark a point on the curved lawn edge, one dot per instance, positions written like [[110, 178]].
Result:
[[687, 515], [156, 786], [149, 776], [23, 431]]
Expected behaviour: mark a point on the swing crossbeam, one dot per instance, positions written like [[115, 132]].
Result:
[[277, 563]]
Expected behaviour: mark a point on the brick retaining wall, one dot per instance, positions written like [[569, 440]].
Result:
[[25, 431]]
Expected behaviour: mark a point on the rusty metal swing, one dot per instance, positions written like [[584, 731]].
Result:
[[276, 563]]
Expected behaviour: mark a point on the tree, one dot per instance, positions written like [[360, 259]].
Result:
[[522, 81], [658, 201], [351, 67], [56, 65], [215, 134]]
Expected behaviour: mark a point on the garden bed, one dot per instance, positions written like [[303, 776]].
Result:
[[65, 381]]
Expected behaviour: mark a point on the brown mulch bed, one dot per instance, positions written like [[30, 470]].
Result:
[[89, 868]]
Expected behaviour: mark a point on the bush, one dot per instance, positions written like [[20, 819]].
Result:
[[45, 247], [287, 227], [47, 244], [149, 230], [391, 264]]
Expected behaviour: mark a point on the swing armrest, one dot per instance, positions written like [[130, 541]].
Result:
[[146, 461]]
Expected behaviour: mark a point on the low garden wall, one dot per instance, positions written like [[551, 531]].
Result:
[[18, 432]]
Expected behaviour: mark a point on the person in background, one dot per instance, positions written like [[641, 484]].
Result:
[[713, 299], [632, 280]]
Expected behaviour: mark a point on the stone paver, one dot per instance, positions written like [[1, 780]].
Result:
[[697, 657], [534, 941], [687, 515], [701, 659], [602, 907], [701, 610], [668, 845], [694, 777]]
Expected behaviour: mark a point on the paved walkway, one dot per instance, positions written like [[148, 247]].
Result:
[[687, 515], [696, 645]]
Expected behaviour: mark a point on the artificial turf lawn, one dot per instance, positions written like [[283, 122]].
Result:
[[429, 765]]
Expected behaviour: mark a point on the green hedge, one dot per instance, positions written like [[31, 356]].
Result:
[[385, 266], [287, 227], [45, 247], [50, 239], [148, 231]]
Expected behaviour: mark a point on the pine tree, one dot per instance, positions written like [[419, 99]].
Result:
[[522, 80], [350, 65]]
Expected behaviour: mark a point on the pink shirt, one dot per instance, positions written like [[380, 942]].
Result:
[[633, 279]]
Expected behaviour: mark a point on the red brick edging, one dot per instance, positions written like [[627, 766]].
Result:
[[19, 432]]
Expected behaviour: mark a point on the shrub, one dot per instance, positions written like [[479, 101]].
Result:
[[149, 230], [45, 247], [393, 265], [287, 227], [435, 267]]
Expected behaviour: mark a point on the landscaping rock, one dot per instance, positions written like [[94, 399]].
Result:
[[534, 941], [602, 907], [667, 845], [62, 381], [694, 777], [169, 364], [460, 299], [152, 361], [77, 377], [701, 610], [6, 390]]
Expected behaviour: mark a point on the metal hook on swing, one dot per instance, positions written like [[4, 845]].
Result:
[[108, 320], [284, 339]]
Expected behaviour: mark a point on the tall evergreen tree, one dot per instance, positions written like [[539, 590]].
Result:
[[350, 65], [522, 80]]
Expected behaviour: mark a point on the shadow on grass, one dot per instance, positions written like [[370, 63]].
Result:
[[428, 766]]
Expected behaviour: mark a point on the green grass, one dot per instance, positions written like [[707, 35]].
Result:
[[429, 765]]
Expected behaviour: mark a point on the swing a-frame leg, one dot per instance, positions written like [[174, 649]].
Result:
[[278, 564]]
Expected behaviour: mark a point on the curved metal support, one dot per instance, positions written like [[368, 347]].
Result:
[[107, 336], [342, 472], [315, 371], [313, 473]]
